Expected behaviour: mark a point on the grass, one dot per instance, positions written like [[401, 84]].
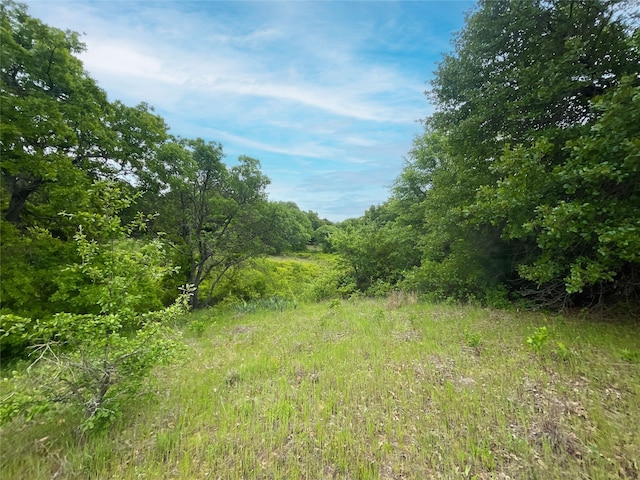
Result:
[[384, 389]]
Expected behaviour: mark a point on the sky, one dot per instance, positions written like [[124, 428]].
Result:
[[328, 95]]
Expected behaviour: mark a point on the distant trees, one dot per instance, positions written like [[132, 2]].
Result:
[[375, 250]]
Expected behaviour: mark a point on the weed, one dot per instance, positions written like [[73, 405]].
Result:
[[539, 339], [473, 339], [630, 355], [197, 327], [335, 303], [271, 304], [562, 351]]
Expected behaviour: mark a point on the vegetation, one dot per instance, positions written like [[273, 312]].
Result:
[[523, 184], [305, 356], [90, 360], [383, 388]]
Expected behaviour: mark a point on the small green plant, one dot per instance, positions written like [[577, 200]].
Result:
[[473, 339], [271, 304], [378, 314], [629, 355], [197, 327], [563, 352], [245, 307], [539, 339], [335, 303]]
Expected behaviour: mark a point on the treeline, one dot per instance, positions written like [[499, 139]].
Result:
[[525, 183], [69, 156], [523, 186]]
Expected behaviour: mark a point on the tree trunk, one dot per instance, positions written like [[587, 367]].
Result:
[[20, 190]]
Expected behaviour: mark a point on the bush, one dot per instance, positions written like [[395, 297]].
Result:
[[90, 360]]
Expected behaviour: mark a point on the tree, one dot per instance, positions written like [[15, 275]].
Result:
[[45, 93], [586, 223], [289, 229], [519, 90], [59, 131], [58, 135], [376, 249], [221, 218]]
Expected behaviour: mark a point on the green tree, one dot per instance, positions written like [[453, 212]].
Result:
[[321, 228], [92, 360], [519, 88], [58, 135], [45, 93], [58, 130], [376, 249], [289, 228], [587, 223], [215, 215]]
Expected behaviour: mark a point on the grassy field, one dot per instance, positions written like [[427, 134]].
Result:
[[385, 389]]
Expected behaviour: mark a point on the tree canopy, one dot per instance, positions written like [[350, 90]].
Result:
[[527, 173], [62, 138]]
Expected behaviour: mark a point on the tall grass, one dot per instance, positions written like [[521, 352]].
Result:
[[367, 389]]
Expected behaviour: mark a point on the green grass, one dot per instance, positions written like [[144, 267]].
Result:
[[386, 389]]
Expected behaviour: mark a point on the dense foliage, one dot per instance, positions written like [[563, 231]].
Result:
[[61, 137], [525, 179]]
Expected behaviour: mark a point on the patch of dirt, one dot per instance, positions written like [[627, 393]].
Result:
[[242, 329]]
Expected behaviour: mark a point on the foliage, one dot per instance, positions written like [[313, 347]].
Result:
[[91, 362], [31, 263], [60, 135], [290, 228], [59, 132], [473, 339], [273, 304], [289, 278], [91, 359], [376, 250], [216, 216], [590, 233], [321, 229], [538, 339], [525, 175]]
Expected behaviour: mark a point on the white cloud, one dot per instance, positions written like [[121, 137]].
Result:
[[312, 89], [306, 149]]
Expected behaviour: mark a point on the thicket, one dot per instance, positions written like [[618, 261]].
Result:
[[524, 184]]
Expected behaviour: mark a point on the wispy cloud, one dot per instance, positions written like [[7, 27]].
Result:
[[325, 94]]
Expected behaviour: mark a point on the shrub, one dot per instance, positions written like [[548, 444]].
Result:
[[92, 360]]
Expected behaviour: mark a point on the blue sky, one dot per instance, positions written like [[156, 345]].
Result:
[[327, 95]]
